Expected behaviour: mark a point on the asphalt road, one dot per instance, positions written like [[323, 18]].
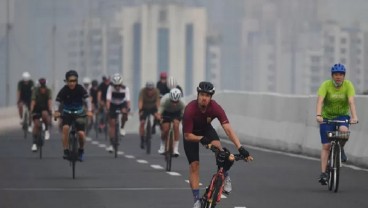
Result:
[[136, 179]]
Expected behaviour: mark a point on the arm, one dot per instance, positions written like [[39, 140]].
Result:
[[108, 97], [231, 134], [140, 101], [354, 117], [192, 137], [319, 117], [33, 100]]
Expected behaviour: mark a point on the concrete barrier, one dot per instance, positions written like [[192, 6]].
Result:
[[9, 118], [287, 123]]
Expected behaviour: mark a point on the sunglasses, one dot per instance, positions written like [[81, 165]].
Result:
[[72, 80]]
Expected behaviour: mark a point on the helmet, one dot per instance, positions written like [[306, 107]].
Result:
[[163, 75], [117, 79], [42, 82], [26, 76], [171, 82], [338, 68], [86, 80], [175, 94], [206, 87], [71, 73], [150, 85], [94, 83]]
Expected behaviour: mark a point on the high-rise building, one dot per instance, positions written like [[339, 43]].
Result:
[[167, 37]]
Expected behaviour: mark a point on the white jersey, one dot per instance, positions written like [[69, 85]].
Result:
[[168, 106], [118, 97]]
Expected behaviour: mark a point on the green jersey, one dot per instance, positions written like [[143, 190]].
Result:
[[336, 101]]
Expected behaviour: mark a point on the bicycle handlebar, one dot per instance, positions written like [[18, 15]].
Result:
[[231, 157], [332, 121]]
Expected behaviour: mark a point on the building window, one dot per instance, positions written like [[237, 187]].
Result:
[[343, 50], [343, 40], [163, 54], [315, 59], [162, 16]]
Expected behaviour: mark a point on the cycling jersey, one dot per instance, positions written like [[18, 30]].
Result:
[[25, 89], [149, 102], [196, 122], [167, 106], [103, 88], [72, 100], [162, 87], [93, 94], [119, 96], [41, 99], [335, 100]]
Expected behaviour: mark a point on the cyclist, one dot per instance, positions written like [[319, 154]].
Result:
[[101, 97], [162, 84], [41, 106], [171, 110], [24, 94], [93, 93], [148, 103], [73, 96], [335, 98], [197, 118], [118, 98]]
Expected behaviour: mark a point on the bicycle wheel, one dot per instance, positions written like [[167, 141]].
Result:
[[25, 124], [214, 192], [169, 150], [116, 141], [330, 167], [73, 149], [148, 136], [40, 139], [337, 161]]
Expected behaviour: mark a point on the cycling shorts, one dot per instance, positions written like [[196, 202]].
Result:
[[80, 121], [168, 117], [192, 148], [145, 112], [324, 127], [114, 108]]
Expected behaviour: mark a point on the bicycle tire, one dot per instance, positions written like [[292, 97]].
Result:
[[212, 200], [169, 150], [148, 135], [337, 168], [73, 149], [40, 142], [115, 142], [25, 124], [330, 167]]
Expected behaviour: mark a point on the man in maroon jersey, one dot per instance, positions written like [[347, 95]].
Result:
[[197, 118]]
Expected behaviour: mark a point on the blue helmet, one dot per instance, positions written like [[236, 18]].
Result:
[[338, 68]]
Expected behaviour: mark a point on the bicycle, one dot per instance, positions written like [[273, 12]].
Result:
[[334, 159], [115, 143], [212, 196], [25, 121], [169, 147], [40, 137], [148, 134], [73, 141], [101, 120]]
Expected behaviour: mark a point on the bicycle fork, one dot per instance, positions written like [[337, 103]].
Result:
[[217, 182]]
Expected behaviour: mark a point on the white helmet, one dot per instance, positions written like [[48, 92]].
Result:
[[171, 82], [26, 76], [86, 80], [175, 94], [117, 79]]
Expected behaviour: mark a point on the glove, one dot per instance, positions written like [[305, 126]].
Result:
[[205, 141], [220, 159], [243, 152]]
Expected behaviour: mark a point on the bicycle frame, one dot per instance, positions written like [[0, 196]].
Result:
[[169, 147], [212, 196], [40, 135], [25, 121], [117, 137], [148, 134]]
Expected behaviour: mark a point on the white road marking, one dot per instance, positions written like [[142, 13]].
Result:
[[94, 142], [158, 167], [199, 182], [173, 173], [102, 145], [129, 156], [120, 152], [142, 161]]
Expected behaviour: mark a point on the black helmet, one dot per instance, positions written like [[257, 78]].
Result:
[[42, 82], [94, 83], [206, 87], [71, 73]]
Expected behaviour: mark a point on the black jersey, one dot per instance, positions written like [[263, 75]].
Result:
[[72, 100]]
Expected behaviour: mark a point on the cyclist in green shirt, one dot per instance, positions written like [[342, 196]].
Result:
[[335, 99]]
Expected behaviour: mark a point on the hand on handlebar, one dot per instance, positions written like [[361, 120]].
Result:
[[319, 119], [354, 121], [89, 113], [56, 115], [245, 153]]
